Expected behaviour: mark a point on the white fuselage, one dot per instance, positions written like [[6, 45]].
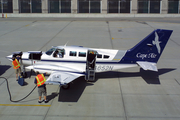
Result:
[[74, 60]]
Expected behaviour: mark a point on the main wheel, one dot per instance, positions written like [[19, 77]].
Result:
[[66, 86]]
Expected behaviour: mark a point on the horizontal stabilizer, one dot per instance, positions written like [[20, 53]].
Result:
[[147, 65]]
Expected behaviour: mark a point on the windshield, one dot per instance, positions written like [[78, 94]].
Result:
[[49, 52]]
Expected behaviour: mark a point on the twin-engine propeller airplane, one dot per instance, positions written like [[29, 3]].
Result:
[[66, 63]]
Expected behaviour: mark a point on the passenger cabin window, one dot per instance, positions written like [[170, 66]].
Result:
[[106, 57], [82, 54], [72, 53], [99, 56]]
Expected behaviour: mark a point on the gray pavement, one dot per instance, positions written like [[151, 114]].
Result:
[[128, 94]]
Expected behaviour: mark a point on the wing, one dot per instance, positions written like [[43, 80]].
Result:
[[147, 65], [62, 78], [59, 75]]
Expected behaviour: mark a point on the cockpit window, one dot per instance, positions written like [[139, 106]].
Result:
[[59, 53], [49, 52]]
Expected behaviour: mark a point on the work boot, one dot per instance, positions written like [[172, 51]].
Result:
[[39, 101], [46, 101]]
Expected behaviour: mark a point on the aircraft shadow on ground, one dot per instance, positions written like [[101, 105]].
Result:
[[78, 86], [30, 73], [150, 77], [76, 89], [4, 68]]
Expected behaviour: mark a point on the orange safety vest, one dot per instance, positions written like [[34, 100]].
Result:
[[16, 64], [40, 79]]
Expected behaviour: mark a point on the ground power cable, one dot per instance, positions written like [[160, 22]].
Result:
[[10, 92]]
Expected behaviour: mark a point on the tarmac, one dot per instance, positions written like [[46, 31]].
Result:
[[127, 94]]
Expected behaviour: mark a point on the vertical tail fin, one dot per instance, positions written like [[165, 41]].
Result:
[[149, 49]]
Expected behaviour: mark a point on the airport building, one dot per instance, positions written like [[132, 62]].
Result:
[[90, 6]]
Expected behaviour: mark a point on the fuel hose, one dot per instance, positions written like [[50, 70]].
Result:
[[10, 92]]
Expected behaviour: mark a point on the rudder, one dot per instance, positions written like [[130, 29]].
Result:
[[149, 49]]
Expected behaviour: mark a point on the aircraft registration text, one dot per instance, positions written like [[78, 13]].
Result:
[[104, 68]]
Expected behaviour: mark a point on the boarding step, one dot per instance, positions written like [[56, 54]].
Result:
[[90, 75]]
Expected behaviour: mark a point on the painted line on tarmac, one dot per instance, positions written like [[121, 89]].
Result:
[[55, 35], [124, 38], [27, 25], [24, 105]]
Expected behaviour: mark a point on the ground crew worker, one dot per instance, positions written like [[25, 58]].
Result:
[[17, 66], [40, 80]]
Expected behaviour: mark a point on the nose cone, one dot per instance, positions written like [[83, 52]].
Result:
[[9, 57]]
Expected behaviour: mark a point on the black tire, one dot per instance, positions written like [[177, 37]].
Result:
[[65, 87], [24, 75]]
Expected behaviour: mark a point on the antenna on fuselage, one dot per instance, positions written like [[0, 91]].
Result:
[[66, 43]]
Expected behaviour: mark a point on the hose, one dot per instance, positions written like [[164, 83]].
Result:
[[10, 92]]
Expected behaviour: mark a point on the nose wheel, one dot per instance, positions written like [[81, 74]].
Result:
[[24, 74]]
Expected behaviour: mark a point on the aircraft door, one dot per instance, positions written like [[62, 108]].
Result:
[[90, 65], [35, 56]]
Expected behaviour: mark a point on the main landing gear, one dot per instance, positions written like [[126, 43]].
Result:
[[65, 87]]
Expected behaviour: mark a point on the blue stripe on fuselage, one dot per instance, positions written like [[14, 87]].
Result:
[[65, 61], [79, 61]]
